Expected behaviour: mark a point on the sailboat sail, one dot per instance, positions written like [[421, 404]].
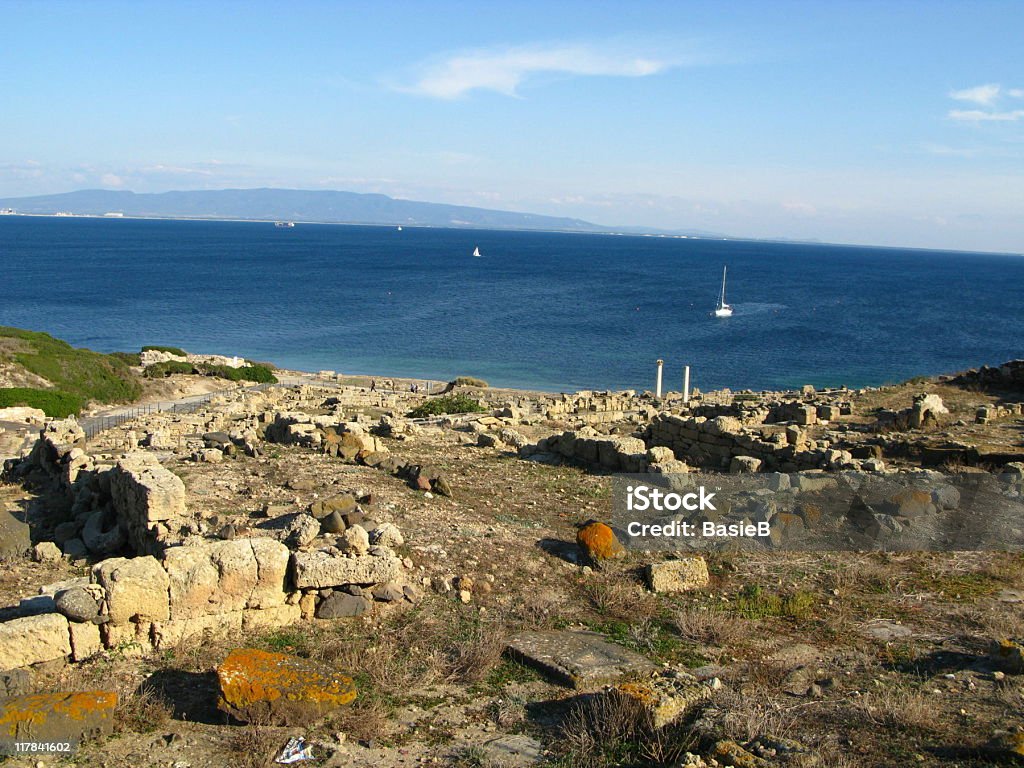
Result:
[[723, 309]]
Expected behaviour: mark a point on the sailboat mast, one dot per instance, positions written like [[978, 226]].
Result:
[[723, 286]]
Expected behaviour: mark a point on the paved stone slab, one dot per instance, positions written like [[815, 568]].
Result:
[[277, 688], [584, 660], [61, 717]]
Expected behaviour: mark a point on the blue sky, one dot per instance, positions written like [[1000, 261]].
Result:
[[893, 123]]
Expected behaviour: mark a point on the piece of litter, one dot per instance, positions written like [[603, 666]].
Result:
[[295, 751]]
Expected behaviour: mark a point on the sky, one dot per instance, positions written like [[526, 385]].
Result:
[[887, 123]]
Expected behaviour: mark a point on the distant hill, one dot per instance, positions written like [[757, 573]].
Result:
[[323, 206], [290, 205]]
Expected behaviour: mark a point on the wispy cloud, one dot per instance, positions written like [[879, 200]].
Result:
[[989, 97], [978, 115], [504, 70], [985, 95]]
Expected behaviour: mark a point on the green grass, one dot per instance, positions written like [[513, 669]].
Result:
[[53, 402], [754, 602], [165, 369], [81, 373], [447, 404], [257, 373]]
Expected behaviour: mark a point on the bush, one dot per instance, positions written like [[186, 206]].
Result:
[[256, 373], [53, 402], [165, 369], [448, 404], [168, 350], [469, 381], [128, 358], [81, 372]]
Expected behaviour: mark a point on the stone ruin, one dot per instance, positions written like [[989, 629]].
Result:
[[177, 585]]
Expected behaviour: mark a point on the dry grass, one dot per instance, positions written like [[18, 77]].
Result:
[[254, 745], [708, 625], [753, 713], [613, 729], [893, 708]]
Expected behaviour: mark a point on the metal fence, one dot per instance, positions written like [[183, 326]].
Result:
[[94, 425]]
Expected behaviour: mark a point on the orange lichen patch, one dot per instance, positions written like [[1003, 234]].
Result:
[[283, 686], [67, 715], [598, 542]]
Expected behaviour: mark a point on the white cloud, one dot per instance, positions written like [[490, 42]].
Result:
[[504, 70], [111, 180], [1016, 93], [985, 95], [977, 115]]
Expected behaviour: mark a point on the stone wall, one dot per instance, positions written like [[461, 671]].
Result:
[[204, 589]]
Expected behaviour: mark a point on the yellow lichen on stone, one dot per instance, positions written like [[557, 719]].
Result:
[[598, 542]]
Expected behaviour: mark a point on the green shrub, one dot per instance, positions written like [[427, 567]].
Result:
[[165, 369], [168, 350], [256, 373], [128, 358], [53, 402], [448, 404], [88, 375], [469, 381]]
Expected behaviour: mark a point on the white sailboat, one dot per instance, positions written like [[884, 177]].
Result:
[[476, 251], [723, 309]]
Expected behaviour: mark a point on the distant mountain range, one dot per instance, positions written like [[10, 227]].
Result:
[[322, 206]]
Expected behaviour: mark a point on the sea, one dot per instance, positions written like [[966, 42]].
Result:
[[542, 310]]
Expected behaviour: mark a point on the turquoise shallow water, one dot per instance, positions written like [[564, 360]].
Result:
[[545, 310]]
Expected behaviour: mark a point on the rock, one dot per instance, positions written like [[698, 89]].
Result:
[[659, 454], [599, 543], [301, 484], [210, 455], [355, 540], [103, 534], [307, 605], [681, 575], [584, 660], [388, 593], [1008, 656], [728, 752], [85, 640], [342, 503], [33, 639], [667, 697], [512, 751], [15, 538], [46, 552], [316, 570], [441, 485], [387, 535], [741, 465], [136, 589], [340, 605], [75, 549], [885, 630], [58, 717], [332, 523], [926, 407], [275, 688], [145, 494], [302, 530], [223, 577], [78, 604]]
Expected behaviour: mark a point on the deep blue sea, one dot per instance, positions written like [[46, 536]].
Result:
[[546, 310]]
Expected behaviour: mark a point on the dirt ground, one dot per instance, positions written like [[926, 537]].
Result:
[[863, 659]]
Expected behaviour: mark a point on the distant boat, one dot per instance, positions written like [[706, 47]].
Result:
[[284, 224], [723, 309], [476, 251], [399, 227]]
